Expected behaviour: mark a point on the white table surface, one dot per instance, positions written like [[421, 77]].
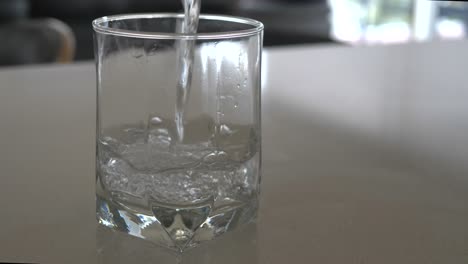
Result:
[[365, 161]]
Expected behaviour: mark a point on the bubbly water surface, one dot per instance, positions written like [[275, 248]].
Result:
[[151, 177]]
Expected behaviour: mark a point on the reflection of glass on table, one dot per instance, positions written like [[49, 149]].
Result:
[[233, 248]]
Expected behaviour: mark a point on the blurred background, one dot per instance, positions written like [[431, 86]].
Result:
[[49, 31]]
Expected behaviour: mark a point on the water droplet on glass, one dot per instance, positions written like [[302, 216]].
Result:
[[225, 130], [136, 53], [162, 131], [155, 121], [215, 156], [164, 141], [210, 158], [153, 50], [222, 155]]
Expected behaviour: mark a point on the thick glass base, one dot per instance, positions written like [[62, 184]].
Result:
[[177, 227]]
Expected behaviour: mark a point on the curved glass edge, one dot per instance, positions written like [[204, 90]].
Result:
[[257, 27]]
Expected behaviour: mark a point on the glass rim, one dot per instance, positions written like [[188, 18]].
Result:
[[98, 27]]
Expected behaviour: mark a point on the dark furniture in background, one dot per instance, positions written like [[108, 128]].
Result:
[[286, 22], [24, 40]]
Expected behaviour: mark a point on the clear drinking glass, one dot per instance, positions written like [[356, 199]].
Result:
[[178, 126]]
